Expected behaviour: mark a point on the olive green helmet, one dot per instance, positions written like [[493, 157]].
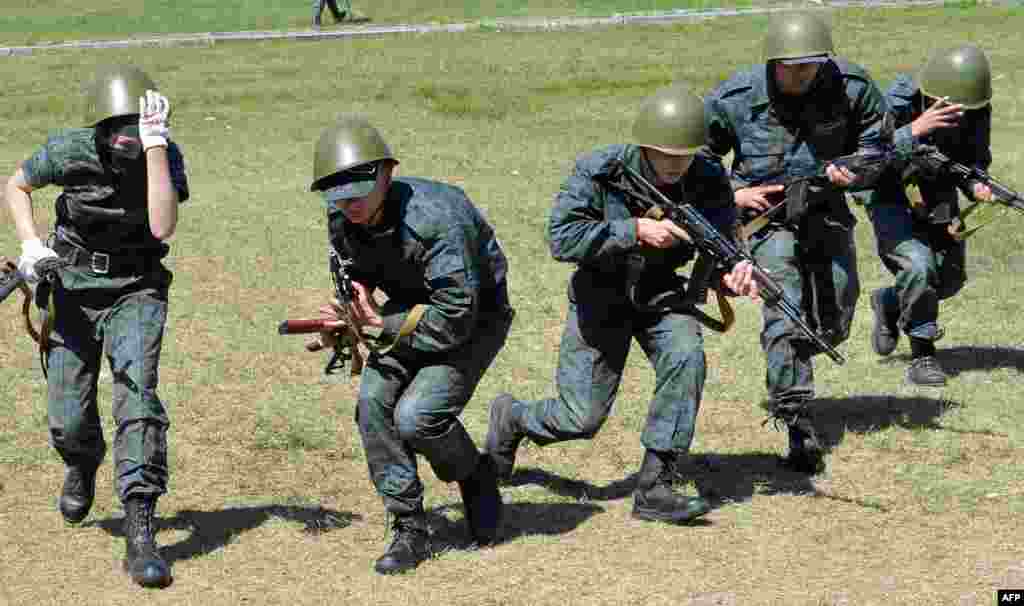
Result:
[[797, 35], [115, 91], [671, 121], [350, 142], [961, 73]]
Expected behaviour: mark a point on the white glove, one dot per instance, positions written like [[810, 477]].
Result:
[[153, 111], [32, 252]]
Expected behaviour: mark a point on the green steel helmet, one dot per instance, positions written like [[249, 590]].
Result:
[[961, 73], [350, 142], [671, 121], [115, 92], [797, 35]]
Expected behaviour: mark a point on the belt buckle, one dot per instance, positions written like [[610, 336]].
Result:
[[99, 263]]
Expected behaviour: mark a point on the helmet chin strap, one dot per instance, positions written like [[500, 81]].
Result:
[[648, 166], [375, 218], [377, 214]]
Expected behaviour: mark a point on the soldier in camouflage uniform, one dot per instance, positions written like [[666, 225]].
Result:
[[122, 181], [948, 106], [787, 118], [430, 250], [618, 252]]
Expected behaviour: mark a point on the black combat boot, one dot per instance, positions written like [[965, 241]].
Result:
[[503, 435], [482, 500], [886, 332], [78, 493], [924, 369], [655, 501], [806, 451], [142, 561], [409, 547]]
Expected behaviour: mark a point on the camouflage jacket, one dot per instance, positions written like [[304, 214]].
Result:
[[433, 248], [967, 144], [119, 219], [595, 227], [773, 138]]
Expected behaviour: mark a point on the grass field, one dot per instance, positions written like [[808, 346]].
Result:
[[270, 501], [31, 23]]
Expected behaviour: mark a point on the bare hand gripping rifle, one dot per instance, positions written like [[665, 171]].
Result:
[[797, 199], [722, 249], [931, 163], [350, 337]]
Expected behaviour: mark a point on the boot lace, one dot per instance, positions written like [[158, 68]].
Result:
[[141, 529]]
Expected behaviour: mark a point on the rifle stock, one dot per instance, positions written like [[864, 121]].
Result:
[[725, 251]]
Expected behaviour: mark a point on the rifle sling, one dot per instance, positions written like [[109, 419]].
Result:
[[683, 300], [664, 303], [409, 325], [759, 222], [724, 309]]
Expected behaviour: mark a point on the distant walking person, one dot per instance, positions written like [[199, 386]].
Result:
[[342, 13]]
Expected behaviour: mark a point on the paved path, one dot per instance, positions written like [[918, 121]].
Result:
[[502, 24]]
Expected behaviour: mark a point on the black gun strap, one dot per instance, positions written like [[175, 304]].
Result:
[[681, 299], [673, 302]]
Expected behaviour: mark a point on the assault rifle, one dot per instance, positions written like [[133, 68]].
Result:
[[349, 338], [713, 243], [932, 163], [11, 279], [796, 199]]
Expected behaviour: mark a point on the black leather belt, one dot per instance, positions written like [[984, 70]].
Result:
[[104, 263]]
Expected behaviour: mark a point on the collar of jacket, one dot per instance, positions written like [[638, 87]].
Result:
[[632, 156]]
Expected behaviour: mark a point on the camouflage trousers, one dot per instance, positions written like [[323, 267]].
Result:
[[407, 408], [927, 262], [790, 370], [124, 316], [591, 360]]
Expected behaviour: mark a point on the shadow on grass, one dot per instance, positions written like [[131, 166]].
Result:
[[960, 359], [833, 417], [211, 530], [574, 489], [956, 360], [730, 478], [519, 520], [722, 479]]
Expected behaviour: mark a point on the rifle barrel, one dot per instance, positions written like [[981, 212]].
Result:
[[301, 327], [709, 239]]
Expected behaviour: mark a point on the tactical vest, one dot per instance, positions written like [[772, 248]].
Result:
[[103, 211]]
